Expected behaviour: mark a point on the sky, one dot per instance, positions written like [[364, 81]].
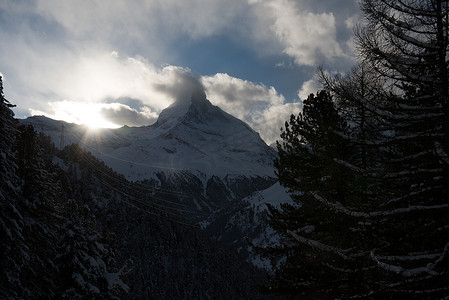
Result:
[[111, 63]]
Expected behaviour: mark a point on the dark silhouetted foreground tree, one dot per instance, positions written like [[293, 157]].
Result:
[[49, 247], [371, 219]]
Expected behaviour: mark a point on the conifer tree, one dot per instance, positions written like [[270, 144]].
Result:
[[358, 96], [12, 252], [406, 42], [26, 217], [319, 242], [388, 235], [84, 260], [35, 221]]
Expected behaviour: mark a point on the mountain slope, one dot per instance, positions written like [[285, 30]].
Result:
[[247, 220], [189, 135], [195, 154], [196, 160]]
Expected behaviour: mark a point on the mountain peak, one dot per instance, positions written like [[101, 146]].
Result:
[[197, 109], [189, 135], [198, 95]]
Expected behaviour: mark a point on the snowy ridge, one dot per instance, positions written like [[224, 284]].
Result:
[[249, 219], [191, 135]]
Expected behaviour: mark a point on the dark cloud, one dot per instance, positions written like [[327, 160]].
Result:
[[181, 84], [121, 114]]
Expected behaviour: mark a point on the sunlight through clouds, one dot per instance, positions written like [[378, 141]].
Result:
[[76, 112], [57, 54], [98, 115], [103, 76]]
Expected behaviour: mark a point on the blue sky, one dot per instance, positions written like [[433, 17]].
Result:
[[124, 61]]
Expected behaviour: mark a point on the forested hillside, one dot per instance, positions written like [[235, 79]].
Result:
[[73, 228]]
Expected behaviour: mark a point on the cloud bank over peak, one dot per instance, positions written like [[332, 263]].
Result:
[[240, 97], [262, 107], [61, 56], [178, 83], [94, 78]]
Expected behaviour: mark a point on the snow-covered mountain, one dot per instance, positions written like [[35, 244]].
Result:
[[190, 135], [248, 218], [195, 155]]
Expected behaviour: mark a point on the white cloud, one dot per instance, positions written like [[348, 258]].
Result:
[[239, 97], [269, 122], [52, 73], [309, 38], [352, 21], [177, 82], [266, 26], [119, 113], [308, 87], [142, 20], [262, 107]]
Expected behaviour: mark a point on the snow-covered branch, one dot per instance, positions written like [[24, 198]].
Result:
[[359, 214], [411, 194], [320, 246], [401, 270], [409, 117], [441, 152], [437, 107], [413, 172], [388, 138], [413, 156], [355, 168]]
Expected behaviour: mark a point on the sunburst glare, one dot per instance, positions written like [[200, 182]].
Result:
[[89, 114]]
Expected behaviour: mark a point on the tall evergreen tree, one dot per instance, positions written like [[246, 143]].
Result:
[[321, 242], [407, 43], [26, 235], [7, 133], [358, 96], [12, 252], [387, 233], [44, 238]]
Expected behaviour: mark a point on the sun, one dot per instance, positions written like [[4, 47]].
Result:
[[96, 121], [89, 114]]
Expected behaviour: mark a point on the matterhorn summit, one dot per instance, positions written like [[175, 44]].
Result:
[[196, 135], [194, 145]]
